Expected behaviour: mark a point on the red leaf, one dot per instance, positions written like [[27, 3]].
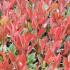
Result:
[[43, 43], [66, 64], [56, 45], [61, 5], [57, 61], [11, 3], [49, 56], [17, 41], [21, 60], [28, 37], [66, 48], [41, 31], [12, 57], [47, 1]]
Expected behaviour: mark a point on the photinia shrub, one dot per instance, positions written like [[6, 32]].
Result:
[[34, 34]]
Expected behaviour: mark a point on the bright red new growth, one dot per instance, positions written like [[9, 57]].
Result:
[[39, 29]]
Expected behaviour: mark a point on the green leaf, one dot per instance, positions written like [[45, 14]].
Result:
[[5, 49], [68, 11], [32, 66], [15, 53], [30, 28], [11, 47], [31, 58], [14, 7], [45, 6], [29, 25], [0, 13], [13, 50], [0, 48], [1, 58]]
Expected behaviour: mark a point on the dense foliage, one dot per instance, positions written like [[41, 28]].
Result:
[[34, 34]]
